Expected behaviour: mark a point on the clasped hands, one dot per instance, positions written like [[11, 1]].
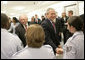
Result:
[[59, 50]]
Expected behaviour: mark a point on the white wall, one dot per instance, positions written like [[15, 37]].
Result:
[[59, 7], [81, 8]]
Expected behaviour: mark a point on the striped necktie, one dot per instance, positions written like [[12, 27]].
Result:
[[26, 27], [54, 26]]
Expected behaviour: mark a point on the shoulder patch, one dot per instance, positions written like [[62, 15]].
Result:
[[68, 48]]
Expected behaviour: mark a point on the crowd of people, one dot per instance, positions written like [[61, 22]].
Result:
[[40, 38]]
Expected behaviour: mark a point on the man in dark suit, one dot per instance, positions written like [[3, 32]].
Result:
[[37, 20], [21, 28], [33, 21], [66, 32], [50, 30], [59, 27]]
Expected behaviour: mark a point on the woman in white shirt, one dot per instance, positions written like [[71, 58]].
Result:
[[14, 24], [35, 49], [74, 47]]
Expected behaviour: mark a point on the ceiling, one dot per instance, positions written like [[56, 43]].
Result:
[[19, 7]]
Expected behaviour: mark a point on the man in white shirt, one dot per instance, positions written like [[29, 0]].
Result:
[[10, 43]]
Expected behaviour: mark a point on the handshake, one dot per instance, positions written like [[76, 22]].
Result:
[[59, 50]]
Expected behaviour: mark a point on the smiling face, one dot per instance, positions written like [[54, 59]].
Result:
[[51, 15]]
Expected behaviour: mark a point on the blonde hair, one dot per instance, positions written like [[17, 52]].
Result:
[[35, 36]]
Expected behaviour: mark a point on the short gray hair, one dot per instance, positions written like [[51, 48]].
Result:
[[49, 10], [22, 16]]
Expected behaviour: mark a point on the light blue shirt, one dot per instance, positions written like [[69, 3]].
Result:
[[74, 47], [44, 52], [10, 44]]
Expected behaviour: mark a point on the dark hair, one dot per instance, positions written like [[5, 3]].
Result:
[[76, 22], [71, 12], [4, 21], [16, 20]]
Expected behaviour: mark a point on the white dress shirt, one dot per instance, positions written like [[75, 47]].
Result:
[[45, 52], [10, 44]]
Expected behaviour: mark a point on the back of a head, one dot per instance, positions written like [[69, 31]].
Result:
[[4, 21], [76, 22], [16, 20], [35, 36]]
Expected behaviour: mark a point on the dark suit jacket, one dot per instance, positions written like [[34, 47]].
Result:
[[39, 21], [20, 31], [59, 24], [59, 27], [50, 35]]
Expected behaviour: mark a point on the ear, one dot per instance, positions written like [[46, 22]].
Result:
[[73, 28], [8, 25]]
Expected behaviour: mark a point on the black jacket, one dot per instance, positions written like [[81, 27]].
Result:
[[20, 31], [50, 35]]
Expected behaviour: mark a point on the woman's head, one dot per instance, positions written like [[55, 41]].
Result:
[[4, 21], [75, 23], [15, 20], [35, 36]]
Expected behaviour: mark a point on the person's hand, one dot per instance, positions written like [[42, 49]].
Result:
[[59, 50]]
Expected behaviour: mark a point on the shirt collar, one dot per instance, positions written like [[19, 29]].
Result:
[[77, 33], [2, 29]]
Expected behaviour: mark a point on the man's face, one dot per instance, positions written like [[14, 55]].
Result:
[[51, 15], [23, 20], [69, 14], [35, 16]]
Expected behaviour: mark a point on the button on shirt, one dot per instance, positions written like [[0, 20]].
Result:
[[10, 44], [74, 47]]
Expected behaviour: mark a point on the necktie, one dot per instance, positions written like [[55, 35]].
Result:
[[54, 26], [26, 27]]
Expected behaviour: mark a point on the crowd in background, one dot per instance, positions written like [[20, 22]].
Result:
[[44, 33]]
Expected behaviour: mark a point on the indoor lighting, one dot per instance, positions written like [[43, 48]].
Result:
[[4, 2]]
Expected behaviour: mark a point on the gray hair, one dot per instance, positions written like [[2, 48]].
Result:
[[49, 10], [23, 15]]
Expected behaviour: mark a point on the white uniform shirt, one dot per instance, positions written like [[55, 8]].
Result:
[[10, 44], [74, 47], [45, 52]]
